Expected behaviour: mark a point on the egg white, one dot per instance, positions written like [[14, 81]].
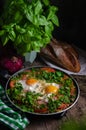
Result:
[[39, 87], [28, 87]]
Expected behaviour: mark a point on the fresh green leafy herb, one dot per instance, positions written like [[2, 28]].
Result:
[[28, 25], [48, 102], [53, 105]]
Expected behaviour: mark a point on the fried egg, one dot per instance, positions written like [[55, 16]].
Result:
[[40, 86], [51, 88], [29, 84]]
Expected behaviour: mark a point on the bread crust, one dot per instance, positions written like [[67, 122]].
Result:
[[62, 54]]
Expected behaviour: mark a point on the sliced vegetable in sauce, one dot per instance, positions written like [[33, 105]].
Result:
[[42, 90]]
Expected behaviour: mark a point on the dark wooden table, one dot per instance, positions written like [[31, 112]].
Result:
[[53, 122]]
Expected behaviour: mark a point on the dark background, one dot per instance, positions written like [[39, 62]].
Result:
[[72, 19]]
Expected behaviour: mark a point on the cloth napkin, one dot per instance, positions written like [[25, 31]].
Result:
[[11, 118]]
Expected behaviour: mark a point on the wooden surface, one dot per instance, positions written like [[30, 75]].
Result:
[[54, 122]]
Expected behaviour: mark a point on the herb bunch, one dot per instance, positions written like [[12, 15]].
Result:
[[28, 25]]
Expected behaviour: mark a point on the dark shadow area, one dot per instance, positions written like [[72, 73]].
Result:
[[72, 19]]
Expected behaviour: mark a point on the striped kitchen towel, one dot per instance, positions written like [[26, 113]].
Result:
[[11, 118]]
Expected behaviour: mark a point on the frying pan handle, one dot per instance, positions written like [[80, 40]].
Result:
[[4, 74]]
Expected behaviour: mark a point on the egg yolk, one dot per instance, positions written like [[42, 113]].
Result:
[[31, 81], [51, 89]]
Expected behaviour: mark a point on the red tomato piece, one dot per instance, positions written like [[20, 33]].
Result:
[[63, 106], [12, 83], [48, 69], [43, 110]]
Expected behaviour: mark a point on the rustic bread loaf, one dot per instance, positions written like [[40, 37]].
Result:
[[62, 54]]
